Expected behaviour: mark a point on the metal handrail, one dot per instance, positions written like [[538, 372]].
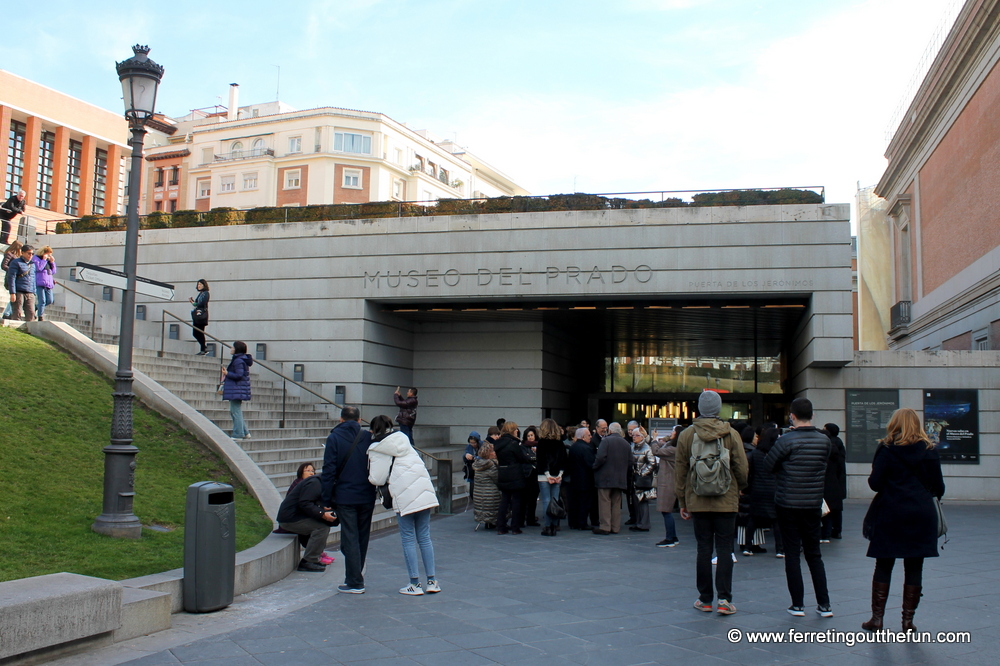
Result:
[[443, 466], [93, 308]]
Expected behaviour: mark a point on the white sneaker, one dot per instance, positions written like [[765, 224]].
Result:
[[433, 587], [715, 560], [412, 590]]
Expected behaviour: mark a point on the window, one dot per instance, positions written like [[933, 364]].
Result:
[[352, 143], [227, 184], [174, 332], [159, 205], [175, 175], [299, 372], [352, 179], [15, 159], [140, 312], [72, 275], [981, 340], [250, 181], [207, 155], [73, 160], [236, 150], [443, 176], [158, 173], [261, 351], [173, 205], [295, 144], [46, 164], [257, 148], [293, 179], [211, 349], [399, 156], [108, 294], [397, 189], [255, 113], [100, 180], [204, 189]]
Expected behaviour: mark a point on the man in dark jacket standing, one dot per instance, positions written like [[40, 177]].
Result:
[[612, 468], [798, 460], [836, 486], [10, 209], [345, 486], [407, 412], [581, 469]]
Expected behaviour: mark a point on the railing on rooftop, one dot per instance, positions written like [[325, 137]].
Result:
[[520, 204], [244, 154]]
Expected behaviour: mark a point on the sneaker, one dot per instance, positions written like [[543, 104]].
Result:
[[797, 611], [413, 590], [780, 556], [666, 543], [202, 353], [824, 611], [314, 567], [715, 560], [325, 559], [824, 541], [705, 606], [747, 552], [433, 587], [246, 436], [726, 607], [347, 589]]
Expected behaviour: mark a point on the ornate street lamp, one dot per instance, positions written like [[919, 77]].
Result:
[[140, 78]]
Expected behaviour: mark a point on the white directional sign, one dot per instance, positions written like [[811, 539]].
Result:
[[118, 280]]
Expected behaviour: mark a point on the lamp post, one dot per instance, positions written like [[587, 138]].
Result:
[[140, 78]]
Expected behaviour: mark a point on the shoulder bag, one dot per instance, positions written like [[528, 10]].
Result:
[[383, 491]]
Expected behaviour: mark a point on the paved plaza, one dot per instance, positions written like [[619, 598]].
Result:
[[584, 599]]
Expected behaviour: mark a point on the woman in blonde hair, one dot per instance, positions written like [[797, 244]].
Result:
[[45, 271], [551, 463], [902, 518]]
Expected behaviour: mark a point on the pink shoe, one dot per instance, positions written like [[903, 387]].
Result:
[[325, 559]]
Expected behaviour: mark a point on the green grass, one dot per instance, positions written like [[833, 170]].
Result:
[[55, 419]]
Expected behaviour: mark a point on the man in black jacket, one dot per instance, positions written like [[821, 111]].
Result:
[[346, 487], [612, 469], [581, 469], [10, 209], [302, 512], [798, 460]]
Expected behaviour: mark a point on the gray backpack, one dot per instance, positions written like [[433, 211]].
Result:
[[709, 475]]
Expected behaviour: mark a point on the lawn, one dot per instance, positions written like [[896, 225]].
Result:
[[55, 419]]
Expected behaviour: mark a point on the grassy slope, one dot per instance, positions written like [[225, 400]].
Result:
[[55, 417]]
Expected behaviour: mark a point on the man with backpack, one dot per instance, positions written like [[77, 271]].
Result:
[[709, 473], [798, 460]]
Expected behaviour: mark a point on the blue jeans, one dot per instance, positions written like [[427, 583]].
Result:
[[43, 297], [668, 523], [239, 425], [415, 530], [548, 491], [408, 431]]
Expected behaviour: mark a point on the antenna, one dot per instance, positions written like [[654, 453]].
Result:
[[277, 86]]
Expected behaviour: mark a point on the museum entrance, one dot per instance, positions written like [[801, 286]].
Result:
[[624, 359]]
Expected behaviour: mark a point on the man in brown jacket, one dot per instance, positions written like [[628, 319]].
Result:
[[714, 517]]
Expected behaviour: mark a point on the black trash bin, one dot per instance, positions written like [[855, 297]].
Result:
[[209, 547]]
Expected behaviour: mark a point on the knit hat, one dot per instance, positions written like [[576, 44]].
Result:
[[709, 404]]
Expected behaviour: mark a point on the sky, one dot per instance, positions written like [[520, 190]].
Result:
[[562, 96]]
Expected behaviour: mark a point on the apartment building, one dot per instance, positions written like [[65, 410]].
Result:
[[66, 154], [272, 155]]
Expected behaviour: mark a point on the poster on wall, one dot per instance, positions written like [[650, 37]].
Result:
[[951, 418], [868, 414]]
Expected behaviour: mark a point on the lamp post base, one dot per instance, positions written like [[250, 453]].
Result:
[[118, 526], [117, 519]]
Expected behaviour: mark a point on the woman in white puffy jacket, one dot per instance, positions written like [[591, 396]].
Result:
[[392, 459]]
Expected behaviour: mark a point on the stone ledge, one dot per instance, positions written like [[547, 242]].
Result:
[[47, 611]]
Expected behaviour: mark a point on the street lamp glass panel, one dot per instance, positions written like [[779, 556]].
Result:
[[140, 78]]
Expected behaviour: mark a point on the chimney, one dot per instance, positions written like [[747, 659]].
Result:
[[234, 101]]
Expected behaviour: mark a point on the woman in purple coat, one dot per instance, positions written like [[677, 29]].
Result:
[[236, 387], [45, 271]]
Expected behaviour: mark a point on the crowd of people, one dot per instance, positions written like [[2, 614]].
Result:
[[734, 482], [29, 278]]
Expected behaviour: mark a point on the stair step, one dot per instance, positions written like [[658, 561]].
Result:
[[298, 454]]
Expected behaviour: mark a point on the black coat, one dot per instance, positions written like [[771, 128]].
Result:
[[762, 486], [512, 458], [613, 463], [581, 465], [302, 501], [904, 520], [798, 460], [552, 457], [352, 486], [835, 487]]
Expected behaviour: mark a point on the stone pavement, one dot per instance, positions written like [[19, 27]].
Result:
[[583, 599]]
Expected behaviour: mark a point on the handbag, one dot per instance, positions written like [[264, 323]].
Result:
[[871, 516], [642, 482], [556, 508], [383, 493]]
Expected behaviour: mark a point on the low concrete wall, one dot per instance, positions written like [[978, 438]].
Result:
[[46, 611], [166, 403]]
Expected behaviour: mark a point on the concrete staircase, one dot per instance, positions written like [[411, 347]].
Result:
[[81, 323]]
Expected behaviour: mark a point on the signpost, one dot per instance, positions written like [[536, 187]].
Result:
[[118, 280]]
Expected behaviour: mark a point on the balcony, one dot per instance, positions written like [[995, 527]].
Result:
[[244, 155], [900, 316]]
